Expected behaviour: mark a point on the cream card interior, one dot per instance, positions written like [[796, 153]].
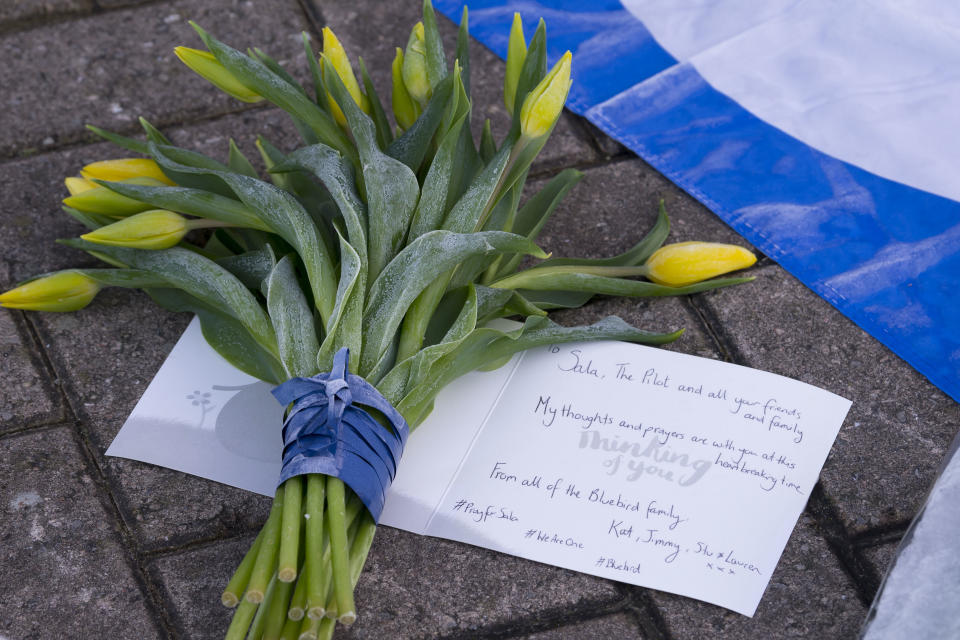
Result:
[[632, 463]]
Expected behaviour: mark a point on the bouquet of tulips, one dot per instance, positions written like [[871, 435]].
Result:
[[360, 277]]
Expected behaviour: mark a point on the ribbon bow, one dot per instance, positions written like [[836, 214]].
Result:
[[328, 431]]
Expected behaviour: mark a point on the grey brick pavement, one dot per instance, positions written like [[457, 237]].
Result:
[[104, 547]]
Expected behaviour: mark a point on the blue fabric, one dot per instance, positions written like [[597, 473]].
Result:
[[885, 254], [328, 431]]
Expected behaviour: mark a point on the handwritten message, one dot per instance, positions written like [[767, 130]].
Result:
[[644, 466]]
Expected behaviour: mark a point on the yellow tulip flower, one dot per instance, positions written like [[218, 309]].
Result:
[[156, 229], [683, 263], [61, 291], [542, 106], [124, 169]]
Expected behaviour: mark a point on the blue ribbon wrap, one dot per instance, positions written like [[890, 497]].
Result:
[[328, 430]]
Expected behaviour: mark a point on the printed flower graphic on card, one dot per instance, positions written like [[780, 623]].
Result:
[[201, 399]]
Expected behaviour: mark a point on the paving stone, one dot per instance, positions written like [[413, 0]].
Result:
[[614, 205], [109, 352], [618, 626], [27, 396], [62, 571], [111, 67], [900, 426], [31, 10], [881, 557], [374, 34], [809, 596], [412, 587], [608, 146]]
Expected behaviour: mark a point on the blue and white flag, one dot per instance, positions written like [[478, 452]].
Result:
[[826, 133]]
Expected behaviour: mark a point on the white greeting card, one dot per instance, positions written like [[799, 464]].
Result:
[[628, 462]]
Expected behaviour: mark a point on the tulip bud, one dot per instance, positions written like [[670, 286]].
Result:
[[109, 203], [156, 229], [335, 53], [78, 185], [683, 263], [206, 65], [415, 66], [516, 55], [123, 169], [542, 106], [61, 291], [405, 110]]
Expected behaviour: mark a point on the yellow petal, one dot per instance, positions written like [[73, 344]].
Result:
[[156, 229], [78, 185], [334, 52], [123, 169], [684, 263], [542, 106], [206, 65], [61, 291]]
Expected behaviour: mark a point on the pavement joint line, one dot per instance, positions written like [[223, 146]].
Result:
[[48, 379], [708, 322], [865, 579], [19, 25], [582, 129], [132, 551], [880, 535], [545, 620], [551, 170], [156, 553], [314, 15], [647, 615], [88, 138]]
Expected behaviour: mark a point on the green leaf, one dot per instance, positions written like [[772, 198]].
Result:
[[638, 254], [436, 60], [126, 278], [384, 134], [488, 146], [250, 267], [153, 134], [336, 174], [470, 212], [463, 48], [411, 147], [238, 162], [91, 221], [277, 70], [410, 371], [198, 276], [486, 345], [283, 215], [130, 144], [292, 320], [194, 202], [227, 336], [570, 279], [432, 208], [534, 214], [345, 328], [392, 188], [533, 71], [421, 263], [256, 75]]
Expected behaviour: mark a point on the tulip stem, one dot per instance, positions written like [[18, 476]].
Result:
[[266, 562], [207, 223], [339, 552], [238, 583], [290, 529]]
